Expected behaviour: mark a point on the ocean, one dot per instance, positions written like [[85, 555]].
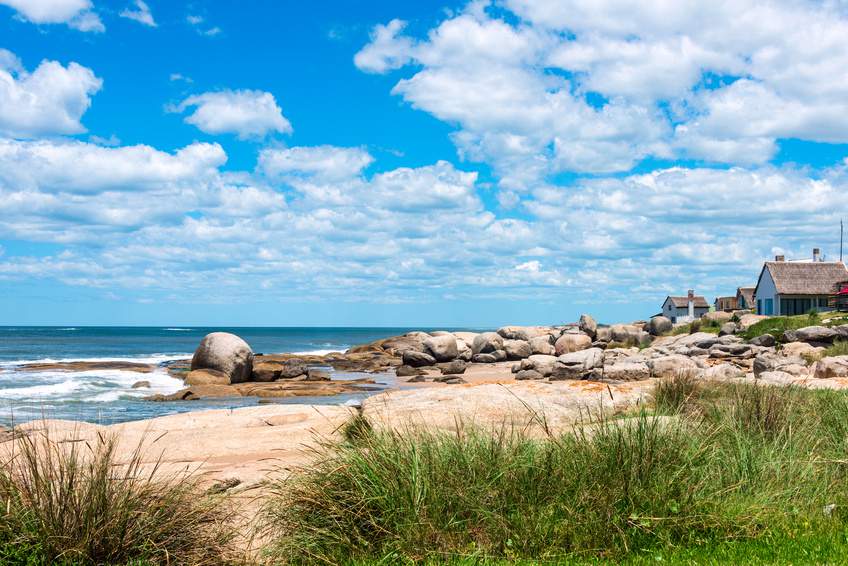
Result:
[[107, 396]]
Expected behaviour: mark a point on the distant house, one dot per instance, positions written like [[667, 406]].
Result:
[[788, 288], [725, 303], [685, 309], [745, 298]]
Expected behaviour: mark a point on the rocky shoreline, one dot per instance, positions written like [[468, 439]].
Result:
[[225, 366]]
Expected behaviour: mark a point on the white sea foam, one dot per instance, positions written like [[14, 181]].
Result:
[[317, 352], [89, 385], [152, 359], [179, 329]]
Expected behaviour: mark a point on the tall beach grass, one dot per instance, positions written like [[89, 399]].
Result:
[[708, 466], [71, 501]]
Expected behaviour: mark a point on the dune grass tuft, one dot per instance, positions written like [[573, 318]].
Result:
[[714, 465], [72, 502]]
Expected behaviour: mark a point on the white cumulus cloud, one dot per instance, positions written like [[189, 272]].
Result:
[[246, 113], [50, 100], [77, 14]]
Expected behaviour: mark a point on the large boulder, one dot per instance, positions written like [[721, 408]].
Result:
[[584, 364], [272, 371], [540, 363], [418, 359], [521, 332], [443, 348], [517, 349], [542, 345], [486, 343], [588, 326], [801, 350], [770, 362], [718, 316], [674, 365], [723, 372], [728, 329], [810, 334], [629, 334], [224, 352], [627, 371], [207, 377], [659, 325], [765, 340], [572, 343], [835, 366], [455, 367]]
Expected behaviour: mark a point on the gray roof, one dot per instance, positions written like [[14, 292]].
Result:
[[683, 302], [807, 277], [747, 293]]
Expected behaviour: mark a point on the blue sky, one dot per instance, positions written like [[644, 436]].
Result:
[[429, 163]]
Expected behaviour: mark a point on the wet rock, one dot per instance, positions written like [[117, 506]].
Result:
[[407, 371], [141, 385], [224, 352], [271, 371], [417, 379], [206, 377], [418, 359], [315, 374]]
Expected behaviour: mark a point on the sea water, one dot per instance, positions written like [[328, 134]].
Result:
[[107, 396]]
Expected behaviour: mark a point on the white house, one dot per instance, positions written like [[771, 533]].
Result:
[[789, 288], [685, 309]]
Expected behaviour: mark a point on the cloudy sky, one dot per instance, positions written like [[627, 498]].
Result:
[[410, 163]]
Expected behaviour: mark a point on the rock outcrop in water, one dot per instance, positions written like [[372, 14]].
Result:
[[225, 353]]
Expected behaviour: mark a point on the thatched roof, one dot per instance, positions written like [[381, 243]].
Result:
[[805, 278], [683, 302], [747, 293]]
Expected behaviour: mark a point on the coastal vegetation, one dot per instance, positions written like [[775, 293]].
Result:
[[734, 470], [74, 503]]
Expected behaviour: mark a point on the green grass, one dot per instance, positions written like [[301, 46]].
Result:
[[733, 471], [777, 325], [71, 502]]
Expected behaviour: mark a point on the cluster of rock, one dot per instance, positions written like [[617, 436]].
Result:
[[224, 365]]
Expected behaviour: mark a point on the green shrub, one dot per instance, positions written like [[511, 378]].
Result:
[[73, 503]]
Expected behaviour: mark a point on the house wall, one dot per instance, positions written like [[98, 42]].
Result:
[[681, 314], [817, 302], [766, 291]]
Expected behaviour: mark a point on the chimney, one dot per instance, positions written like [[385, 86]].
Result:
[[691, 303], [779, 258], [816, 254]]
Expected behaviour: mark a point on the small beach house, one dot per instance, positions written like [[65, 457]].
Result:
[[725, 303], [789, 288], [745, 298], [685, 309]]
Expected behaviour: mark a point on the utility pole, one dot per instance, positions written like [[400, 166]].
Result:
[[841, 232]]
